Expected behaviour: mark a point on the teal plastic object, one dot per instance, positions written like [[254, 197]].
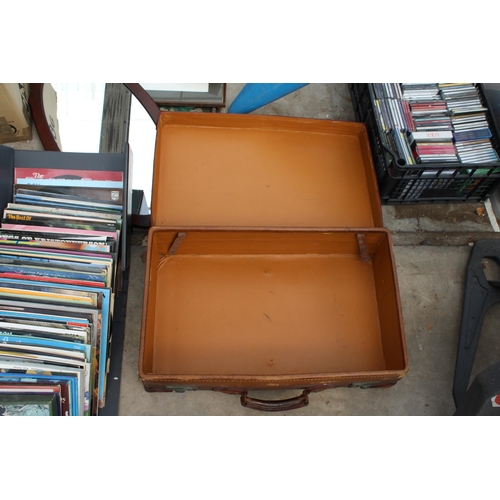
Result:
[[255, 95]]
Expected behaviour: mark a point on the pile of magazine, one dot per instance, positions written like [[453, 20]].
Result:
[[59, 250]]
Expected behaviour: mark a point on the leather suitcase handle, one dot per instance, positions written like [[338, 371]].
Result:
[[275, 405]]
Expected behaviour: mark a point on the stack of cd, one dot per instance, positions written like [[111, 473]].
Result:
[[480, 151], [461, 98], [431, 147], [420, 91], [393, 113], [428, 109], [470, 127], [434, 122]]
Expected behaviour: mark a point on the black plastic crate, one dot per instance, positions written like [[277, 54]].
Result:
[[422, 183]]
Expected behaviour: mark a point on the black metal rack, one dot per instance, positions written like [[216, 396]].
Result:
[[400, 183]]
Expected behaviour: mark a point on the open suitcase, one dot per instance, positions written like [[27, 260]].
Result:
[[267, 263]]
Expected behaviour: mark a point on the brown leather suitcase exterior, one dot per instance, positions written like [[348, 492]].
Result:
[[267, 265]]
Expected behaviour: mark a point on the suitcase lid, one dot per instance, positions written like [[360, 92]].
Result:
[[225, 170]]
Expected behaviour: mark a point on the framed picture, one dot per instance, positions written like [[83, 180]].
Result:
[[187, 94], [29, 405]]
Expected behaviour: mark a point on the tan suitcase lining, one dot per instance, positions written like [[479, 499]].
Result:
[[269, 303], [255, 172]]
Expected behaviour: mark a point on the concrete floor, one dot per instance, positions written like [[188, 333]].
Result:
[[431, 245]]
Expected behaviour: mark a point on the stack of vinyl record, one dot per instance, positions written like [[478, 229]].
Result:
[[59, 242]]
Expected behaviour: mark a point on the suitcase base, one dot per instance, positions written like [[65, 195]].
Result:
[[238, 310]]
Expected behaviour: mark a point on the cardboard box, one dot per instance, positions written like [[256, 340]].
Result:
[[15, 115]]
